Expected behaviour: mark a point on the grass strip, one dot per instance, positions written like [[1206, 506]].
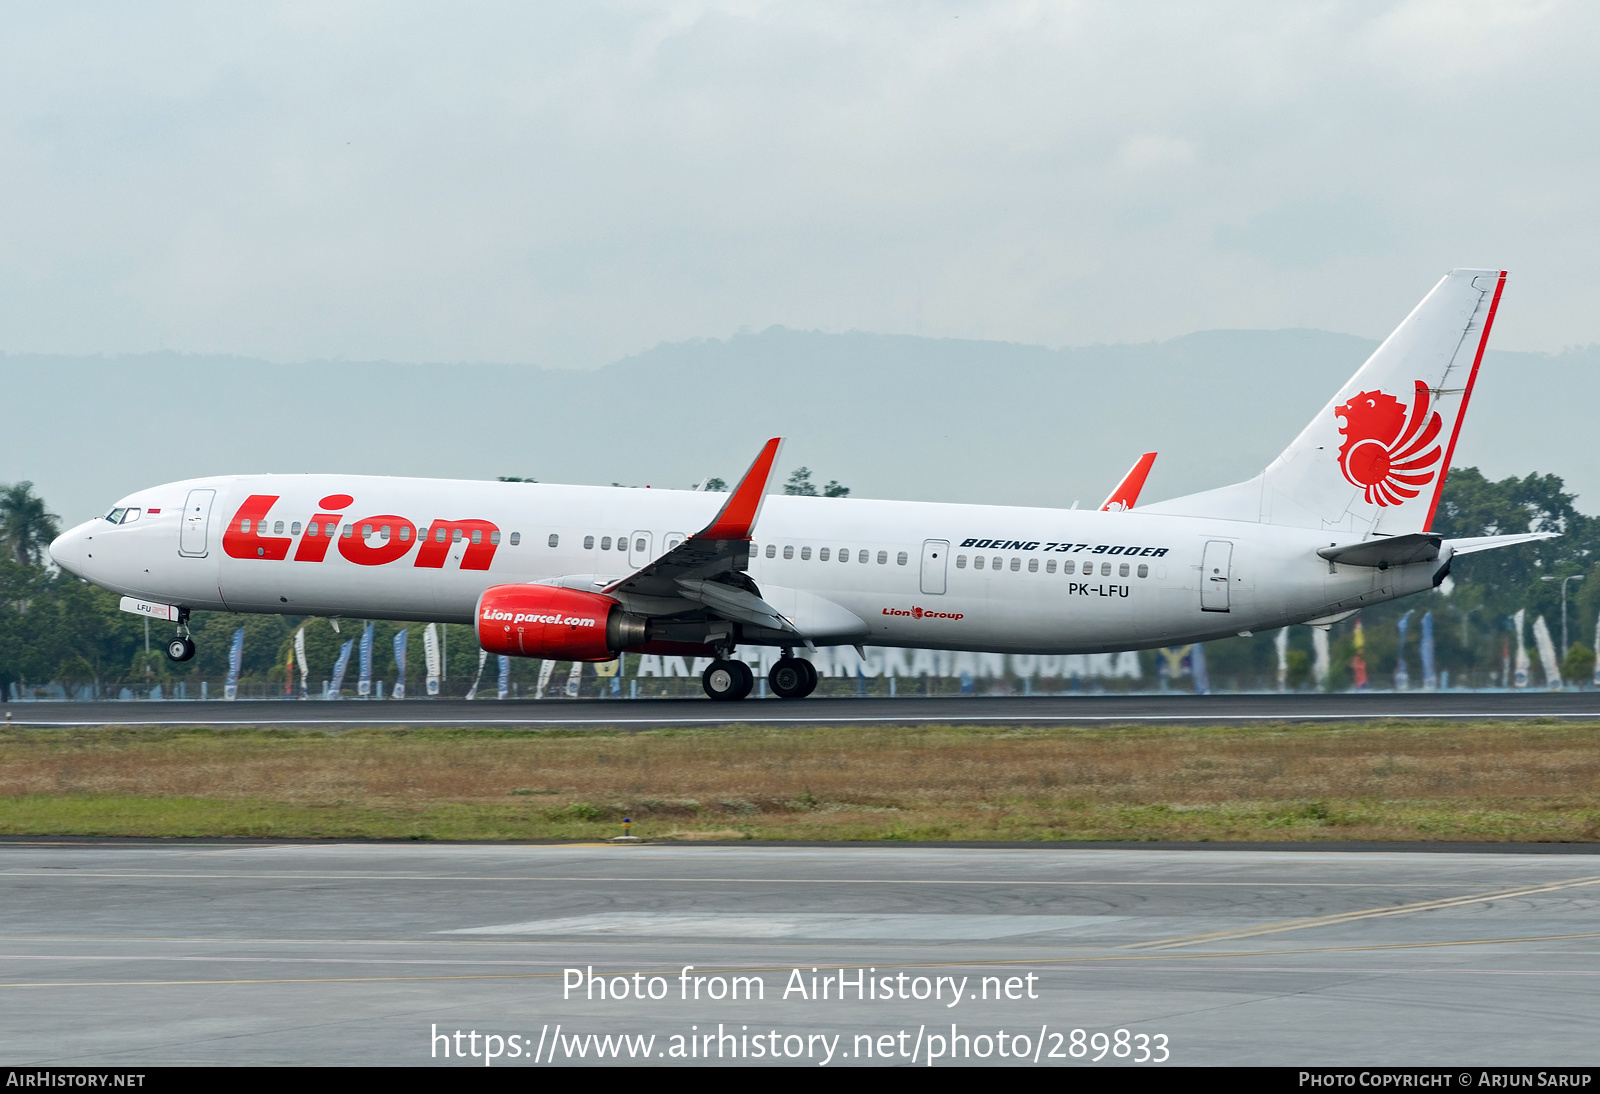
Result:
[[1488, 781]]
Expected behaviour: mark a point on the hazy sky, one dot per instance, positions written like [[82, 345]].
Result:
[[565, 184]]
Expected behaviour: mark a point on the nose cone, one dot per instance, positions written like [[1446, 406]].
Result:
[[70, 550]]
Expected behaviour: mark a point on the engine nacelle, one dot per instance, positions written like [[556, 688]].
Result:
[[560, 624]]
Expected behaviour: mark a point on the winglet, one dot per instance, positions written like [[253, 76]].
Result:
[[1126, 495], [738, 516]]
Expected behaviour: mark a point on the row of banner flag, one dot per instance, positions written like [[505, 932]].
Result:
[[1172, 663]]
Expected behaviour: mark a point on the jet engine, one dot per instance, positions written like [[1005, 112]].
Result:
[[560, 624]]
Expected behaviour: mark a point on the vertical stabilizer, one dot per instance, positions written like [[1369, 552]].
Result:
[[1373, 460]]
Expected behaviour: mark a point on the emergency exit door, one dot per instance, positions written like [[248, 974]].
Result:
[[1216, 573], [639, 554]]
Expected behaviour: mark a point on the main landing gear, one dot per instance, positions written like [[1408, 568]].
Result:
[[727, 679], [792, 677], [181, 647]]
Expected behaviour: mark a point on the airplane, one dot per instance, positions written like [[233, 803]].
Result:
[[1339, 521]]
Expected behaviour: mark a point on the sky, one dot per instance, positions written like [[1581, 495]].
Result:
[[568, 184]]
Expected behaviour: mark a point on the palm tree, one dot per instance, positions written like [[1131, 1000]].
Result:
[[26, 528]]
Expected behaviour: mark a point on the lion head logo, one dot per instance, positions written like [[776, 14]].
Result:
[[1386, 450], [916, 613]]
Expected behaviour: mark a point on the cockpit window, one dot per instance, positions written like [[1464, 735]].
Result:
[[115, 516], [122, 516], [130, 516]]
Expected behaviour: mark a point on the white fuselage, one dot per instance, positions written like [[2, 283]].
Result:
[[1050, 581]]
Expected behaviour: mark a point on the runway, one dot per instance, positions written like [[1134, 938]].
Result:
[[992, 710], [126, 954]]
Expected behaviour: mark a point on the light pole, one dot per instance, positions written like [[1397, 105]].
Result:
[[1563, 580]]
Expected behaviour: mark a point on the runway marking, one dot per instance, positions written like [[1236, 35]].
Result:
[[1058, 962], [1367, 913], [65, 873], [942, 719]]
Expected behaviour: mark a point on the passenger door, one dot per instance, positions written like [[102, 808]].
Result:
[[935, 557], [1216, 574], [194, 533]]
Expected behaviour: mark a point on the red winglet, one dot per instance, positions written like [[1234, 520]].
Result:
[[738, 516], [1126, 495]]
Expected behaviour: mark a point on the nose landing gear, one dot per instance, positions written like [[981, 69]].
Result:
[[181, 647], [792, 677]]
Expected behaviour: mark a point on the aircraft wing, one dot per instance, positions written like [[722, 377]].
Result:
[[708, 569], [1126, 495]]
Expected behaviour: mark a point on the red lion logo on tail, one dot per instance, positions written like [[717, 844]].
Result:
[[1385, 450]]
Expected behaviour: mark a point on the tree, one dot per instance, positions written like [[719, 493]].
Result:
[[715, 486], [26, 527], [800, 484]]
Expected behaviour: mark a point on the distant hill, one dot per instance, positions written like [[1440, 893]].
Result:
[[888, 415]]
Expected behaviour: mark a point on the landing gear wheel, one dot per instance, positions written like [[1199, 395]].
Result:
[[792, 678], [180, 648], [728, 680]]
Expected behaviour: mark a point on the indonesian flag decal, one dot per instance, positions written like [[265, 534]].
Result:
[[1387, 451]]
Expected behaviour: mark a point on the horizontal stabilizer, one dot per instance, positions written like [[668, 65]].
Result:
[[1386, 552], [1489, 543]]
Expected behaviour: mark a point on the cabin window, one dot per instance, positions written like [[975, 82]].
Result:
[[494, 537], [1016, 564], [639, 544], [977, 562], [383, 533], [405, 533], [961, 562], [347, 531], [1069, 567], [822, 555], [313, 529], [294, 529], [1105, 569], [455, 535], [863, 555], [277, 528], [805, 554], [605, 543], [1144, 570], [901, 559], [996, 562], [554, 539], [1122, 571], [788, 550], [588, 543], [477, 536], [1050, 566], [244, 525], [772, 550], [366, 531], [516, 538], [438, 535], [844, 554], [1033, 565]]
